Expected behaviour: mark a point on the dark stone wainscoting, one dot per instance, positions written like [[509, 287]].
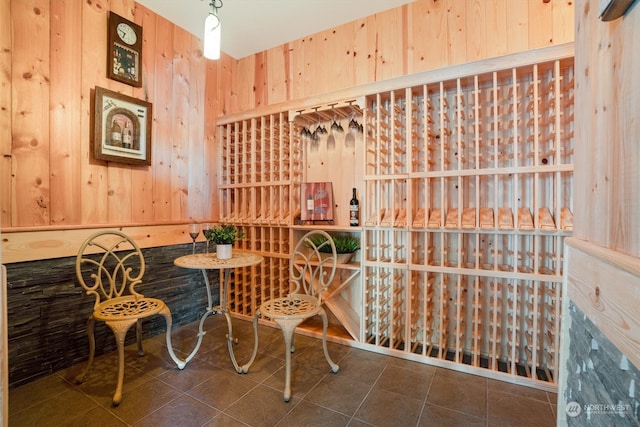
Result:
[[602, 383], [47, 310]]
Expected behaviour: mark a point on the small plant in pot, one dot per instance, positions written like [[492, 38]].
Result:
[[224, 236], [346, 246]]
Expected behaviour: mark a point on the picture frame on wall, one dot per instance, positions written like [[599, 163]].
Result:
[[317, 201], [122, 128]]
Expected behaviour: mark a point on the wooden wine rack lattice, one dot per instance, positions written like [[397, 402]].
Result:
[[465, 189]]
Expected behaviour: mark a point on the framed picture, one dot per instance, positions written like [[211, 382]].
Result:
[[317, 201], [124, 50], [122, 128]]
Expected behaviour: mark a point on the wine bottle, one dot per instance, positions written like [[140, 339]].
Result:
[[310, 205], [116, 134], [354, 210], [126, 136]]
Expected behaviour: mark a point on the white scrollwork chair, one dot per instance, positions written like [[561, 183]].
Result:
[[109, 265], [310, 273]]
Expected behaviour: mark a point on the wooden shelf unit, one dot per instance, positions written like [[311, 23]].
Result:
[[465, 184]]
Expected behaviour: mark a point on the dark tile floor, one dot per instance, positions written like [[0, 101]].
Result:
[[370, 389]]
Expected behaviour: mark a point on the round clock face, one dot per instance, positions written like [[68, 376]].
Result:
[[126, 33]]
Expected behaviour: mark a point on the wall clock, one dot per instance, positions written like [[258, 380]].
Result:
[[124, 50]]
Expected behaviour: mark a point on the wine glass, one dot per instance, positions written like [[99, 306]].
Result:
[[206, 228], [331, 140], [194, 231]]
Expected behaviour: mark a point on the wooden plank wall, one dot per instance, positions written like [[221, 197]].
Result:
[[53, 55], [602, 274], [421, 36], [607, 108]]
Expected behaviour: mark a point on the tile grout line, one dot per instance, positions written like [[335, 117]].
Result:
[[326, 375], [486, 392], [364, 398], [91, 398], [302, 398], [426, 397]]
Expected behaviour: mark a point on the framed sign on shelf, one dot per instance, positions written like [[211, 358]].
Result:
[[317, 202], [122, 128]]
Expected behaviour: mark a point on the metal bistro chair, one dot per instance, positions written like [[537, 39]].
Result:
[[311, 273], [109, 265]]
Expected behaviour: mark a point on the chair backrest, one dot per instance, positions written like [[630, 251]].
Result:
[[109, 265], [313, 264]]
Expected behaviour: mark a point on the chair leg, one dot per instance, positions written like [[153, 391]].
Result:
[[245, 368], [288, 327], [92, 349], [166, 313], [334, 366], [120, 329], [139, 337]]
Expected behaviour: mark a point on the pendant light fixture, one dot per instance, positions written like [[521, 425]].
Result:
[[213, 31]]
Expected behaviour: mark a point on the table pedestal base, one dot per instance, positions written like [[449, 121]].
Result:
[[220, 309], [205, 262]]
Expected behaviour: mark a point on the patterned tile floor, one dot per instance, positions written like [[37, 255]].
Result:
[[369, 390]]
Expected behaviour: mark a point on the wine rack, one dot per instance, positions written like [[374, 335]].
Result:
[[256, 158], [468, 186], [465, 183]]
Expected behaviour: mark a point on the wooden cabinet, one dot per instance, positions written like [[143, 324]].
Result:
[[464, 177]]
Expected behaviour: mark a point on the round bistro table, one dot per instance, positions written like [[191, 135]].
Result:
[[206, 262]]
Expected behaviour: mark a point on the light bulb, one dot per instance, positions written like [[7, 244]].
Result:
[[212, 33]]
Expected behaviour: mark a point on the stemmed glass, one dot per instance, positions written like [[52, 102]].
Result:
[[331, 140], [194, 231], [354, 128], [206, 228]]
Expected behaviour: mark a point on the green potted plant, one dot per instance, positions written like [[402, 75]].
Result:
[[346, 246], [224, 236]]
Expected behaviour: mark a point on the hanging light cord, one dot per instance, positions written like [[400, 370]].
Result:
[[215, 5]]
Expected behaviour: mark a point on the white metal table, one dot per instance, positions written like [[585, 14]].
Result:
[[206, 262]]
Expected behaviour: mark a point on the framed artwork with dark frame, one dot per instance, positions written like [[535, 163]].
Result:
[[124, 50], [122, 128]]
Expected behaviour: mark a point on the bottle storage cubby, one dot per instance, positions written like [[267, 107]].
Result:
[[464, 178], [532, 254], [250, 286], [388, 208], [330, 140]]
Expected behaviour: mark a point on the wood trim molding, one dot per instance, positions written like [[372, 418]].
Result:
[[625, 262], [605, 285], [20, 246]]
